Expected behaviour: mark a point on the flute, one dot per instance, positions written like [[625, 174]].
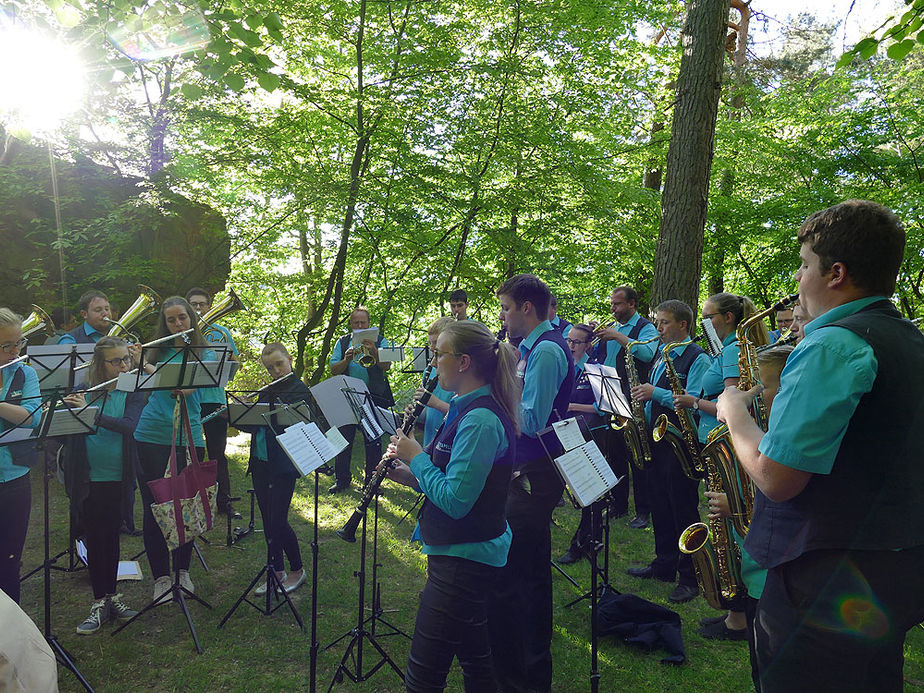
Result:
[[15, 361], [184, 335], [256, 393]]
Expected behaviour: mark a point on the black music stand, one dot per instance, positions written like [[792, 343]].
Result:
[[191, 371], [55, 423], [360, 632]]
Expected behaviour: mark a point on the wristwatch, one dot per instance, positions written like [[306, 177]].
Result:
[[696, 404]]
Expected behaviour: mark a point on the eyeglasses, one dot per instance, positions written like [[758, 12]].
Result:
[[115, 363], [437, 354], [10, 346], [575, 342], [199, 304]]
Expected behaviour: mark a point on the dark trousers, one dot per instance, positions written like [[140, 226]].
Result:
[[15, 503], [640, 486], [127, 499], [674, 507], [520, 606], [750, 615], [216, 439], [613, 447], [373, 451], [274, 495], [102, 517], [452, 621], [836, 620], [153, 459]]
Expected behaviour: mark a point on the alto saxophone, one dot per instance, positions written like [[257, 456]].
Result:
[[685, 442], [636, 431]]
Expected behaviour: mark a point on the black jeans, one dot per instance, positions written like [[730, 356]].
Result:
[[452, 622], [836, 620], [274, 495], [674, 507], [373, 451], [216, 439], [153, 459], [15, 503], [102, 518], [520, 606]]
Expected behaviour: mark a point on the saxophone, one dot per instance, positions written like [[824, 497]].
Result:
[[685, 442], [738, 486], [636, 431]]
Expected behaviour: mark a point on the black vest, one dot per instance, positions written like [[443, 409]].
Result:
[[562, 325], [531, 455], [80, 335], [641, 367], [25, 452], [487, 518], [583, 394], [378, 382], [871, 500], [682, 365], [289, 392]]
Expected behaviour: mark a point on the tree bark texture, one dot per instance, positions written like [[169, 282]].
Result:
[[679, 254]]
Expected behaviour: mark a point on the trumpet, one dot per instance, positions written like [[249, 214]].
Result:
[[229, 304], [222, 410], [144, 305], [36, 320], [364, 357], [595, 342]]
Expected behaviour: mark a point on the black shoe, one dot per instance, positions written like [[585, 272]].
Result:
[[647, 573], [639, 521], [711, 620], [683, 593], [326, 470], [569, 557], [719, 631], [338, 487]]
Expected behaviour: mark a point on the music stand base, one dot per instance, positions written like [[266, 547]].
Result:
[[64, 658], [274, 590]]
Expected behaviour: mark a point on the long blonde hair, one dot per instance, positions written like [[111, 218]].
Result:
[[495, 362]]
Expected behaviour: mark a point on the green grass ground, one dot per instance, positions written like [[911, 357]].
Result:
[[257, 653]]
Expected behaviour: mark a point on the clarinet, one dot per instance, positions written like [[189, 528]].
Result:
[[348, 531]]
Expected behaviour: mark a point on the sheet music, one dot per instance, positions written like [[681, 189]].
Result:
[[66, 422], [306, 446], [388, 420], [336, 439], [569, 433], [586, 472], [359, 336], [608, 394], [14, 435], [391, 354], [370, 421]]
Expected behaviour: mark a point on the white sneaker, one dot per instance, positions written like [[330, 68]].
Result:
[[162, 586], [186, 582]]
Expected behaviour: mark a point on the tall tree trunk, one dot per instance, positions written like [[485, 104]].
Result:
[[679, 255]]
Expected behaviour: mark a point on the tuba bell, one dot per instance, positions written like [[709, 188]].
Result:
[[37, 320], [144, 305], [229, 304]]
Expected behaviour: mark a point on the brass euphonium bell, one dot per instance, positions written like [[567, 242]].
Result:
[[229, 304], [36, 320], [144, 305]]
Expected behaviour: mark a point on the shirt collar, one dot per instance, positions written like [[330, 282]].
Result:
[[459, 402], [631, 321], [579, 364], [537, 332], [838, 312], [90, 331], [732, 338]]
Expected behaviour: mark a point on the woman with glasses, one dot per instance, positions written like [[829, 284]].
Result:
[[726, 311], [462, 525], [96, 468], [154, 434], [19, 404]]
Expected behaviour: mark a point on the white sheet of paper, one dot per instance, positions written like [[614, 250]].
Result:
[[607, 392], [129, 570], [569, 433], [587, 472], [298, 447], [359, 336], [336, 439], [332, 400]]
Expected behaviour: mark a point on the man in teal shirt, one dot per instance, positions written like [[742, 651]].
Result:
[[837, 519]]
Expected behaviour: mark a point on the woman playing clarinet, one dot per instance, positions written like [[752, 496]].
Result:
[[462, 526]]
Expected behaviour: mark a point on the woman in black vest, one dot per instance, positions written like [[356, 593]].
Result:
[[97, 467], [462, 526]]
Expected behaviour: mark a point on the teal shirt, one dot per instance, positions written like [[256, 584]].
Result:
[[156, 422], [354, 369], [259, 445], [723, 366], [32, 400], [820, 387], [216, 395], [479, 442], [89, 331], [753, 575], [547, 366], [434, 417], [104, 448], [664, 396], [644, 352]]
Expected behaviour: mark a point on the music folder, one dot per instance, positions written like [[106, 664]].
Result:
[[578, 460], [608, 394], [189, 371]]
